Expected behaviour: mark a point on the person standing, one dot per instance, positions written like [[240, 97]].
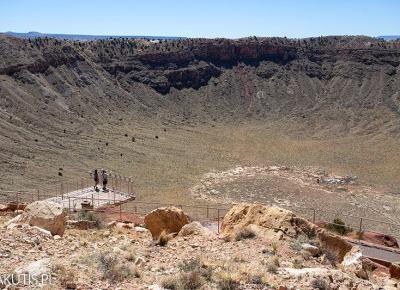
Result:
[[104, 177], [96, 179]]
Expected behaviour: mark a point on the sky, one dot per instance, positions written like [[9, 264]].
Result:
[[203, 18]]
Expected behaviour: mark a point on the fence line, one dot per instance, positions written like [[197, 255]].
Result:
[[23, 197]]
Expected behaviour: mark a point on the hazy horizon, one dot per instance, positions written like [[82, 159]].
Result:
[[205, 19]]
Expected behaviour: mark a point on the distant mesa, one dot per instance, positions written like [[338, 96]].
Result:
[[389, 37], [83, 37]]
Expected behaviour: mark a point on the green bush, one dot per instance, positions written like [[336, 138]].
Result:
[[338, 226], [92, 217]]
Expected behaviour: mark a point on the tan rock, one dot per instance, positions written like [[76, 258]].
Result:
[[168, 219], [46, 215]]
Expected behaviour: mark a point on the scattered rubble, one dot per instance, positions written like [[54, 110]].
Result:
[[283, 252]]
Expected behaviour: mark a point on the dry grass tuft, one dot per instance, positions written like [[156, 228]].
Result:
[[244, 234]]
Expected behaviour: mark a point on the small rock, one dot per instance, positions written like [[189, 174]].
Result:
[[70, 285], [57, 237], [111, 224], [140, 229], [140, 261], [106, 234], [313, 250]]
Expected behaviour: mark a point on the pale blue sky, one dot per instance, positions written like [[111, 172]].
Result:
[[203, 18]]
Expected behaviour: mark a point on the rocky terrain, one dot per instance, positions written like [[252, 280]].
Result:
[[169, 112], [259, 248]]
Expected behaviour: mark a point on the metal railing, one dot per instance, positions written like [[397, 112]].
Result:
[[206, 213]]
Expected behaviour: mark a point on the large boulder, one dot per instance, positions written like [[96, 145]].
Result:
[[44, 214], [165, 219], [275, 219]]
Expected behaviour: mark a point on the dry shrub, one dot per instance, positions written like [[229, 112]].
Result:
[[226, 282], [112, 269], [92, 217], [163, 239], [272, 264], [184, 281], [319, 283], [244, 234]]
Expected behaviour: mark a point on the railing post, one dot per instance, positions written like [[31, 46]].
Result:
[[62, 191], [38, 194], [17, 200], [313, 219], [120, 212], [218, 219], [92, 200], [360, 229], [207, 210]]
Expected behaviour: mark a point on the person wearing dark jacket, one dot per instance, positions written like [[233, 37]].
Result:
[[95, 176], [104, 177]]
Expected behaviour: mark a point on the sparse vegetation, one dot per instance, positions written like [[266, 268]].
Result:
[[296, 245], [196, 265], [244, 234], [225, 281], [272, 264], [112, 269], [319, 283], [331, 258], [92, 217], [274, 247], [64, 274], [184, 281], [163, 239], [297, 264]]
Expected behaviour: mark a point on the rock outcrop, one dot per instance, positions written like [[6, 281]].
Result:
[[43, 214], [334, 244], [165, 219], [271, 218]]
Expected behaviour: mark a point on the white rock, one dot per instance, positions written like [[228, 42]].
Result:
[[155, 287], [140, 229], [43, 231], [37, 269], [313, 250], [14, 220]]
